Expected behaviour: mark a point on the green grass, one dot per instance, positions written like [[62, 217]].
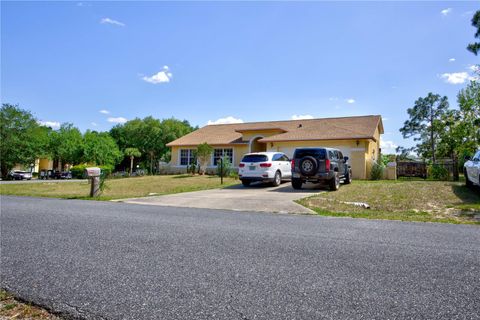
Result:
[[118, 188], [426, 201]]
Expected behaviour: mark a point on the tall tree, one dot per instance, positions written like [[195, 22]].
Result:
[[467, 123], [425, 123], [173, 129], [150, 136], [475, 46], [67, 144], [100, 149], [22, 139], [132, 153]]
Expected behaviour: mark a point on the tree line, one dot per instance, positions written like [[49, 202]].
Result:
[[441, 131], [24, 139]]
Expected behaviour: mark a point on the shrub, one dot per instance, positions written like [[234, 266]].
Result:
[[233, 174], [377, 171], [78, 171], [227, 167], [192, 168], [436, 172]]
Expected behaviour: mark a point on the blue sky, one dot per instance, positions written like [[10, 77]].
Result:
[[99, 63]]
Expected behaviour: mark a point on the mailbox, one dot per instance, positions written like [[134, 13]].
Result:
[[92, 172]]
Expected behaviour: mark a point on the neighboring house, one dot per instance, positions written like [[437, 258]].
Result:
[[40, 164], [357, 137]]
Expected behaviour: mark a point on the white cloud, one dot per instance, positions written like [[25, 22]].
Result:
[[117, 120], [160, 77], [301, 117], [388, 146], [451, 59], [456, 77], [446, 12], [226, 120], [385, 119], [94, 124], [111, 21], [474, 68], [350, 100], [104, 111], [51, 124]]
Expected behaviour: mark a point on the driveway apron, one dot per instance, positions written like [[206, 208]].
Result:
[[255, 198]]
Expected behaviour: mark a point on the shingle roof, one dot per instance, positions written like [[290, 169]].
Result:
[[346, 128]]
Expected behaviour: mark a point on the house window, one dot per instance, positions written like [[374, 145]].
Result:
[[186, 157], [220, 153]]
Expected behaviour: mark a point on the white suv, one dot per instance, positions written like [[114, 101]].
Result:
[[471, 169], [273, 167]]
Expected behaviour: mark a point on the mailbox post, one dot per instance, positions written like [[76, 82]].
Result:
[[93, 173]]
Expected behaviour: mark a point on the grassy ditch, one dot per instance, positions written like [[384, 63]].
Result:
[[427, 201], [118, 188]]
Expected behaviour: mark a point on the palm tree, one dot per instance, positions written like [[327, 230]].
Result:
[[132, 153]]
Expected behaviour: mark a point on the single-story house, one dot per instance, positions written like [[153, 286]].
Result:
[[357, 137]]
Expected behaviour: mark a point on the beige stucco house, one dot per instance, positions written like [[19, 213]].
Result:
[[357, 137]]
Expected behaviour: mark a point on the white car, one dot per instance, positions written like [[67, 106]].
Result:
[[273, 167], [471, 170]]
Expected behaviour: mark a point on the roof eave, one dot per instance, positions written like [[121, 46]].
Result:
[[265, 140], [212, 144]]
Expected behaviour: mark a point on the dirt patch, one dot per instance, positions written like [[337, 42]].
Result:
[[10, 308]]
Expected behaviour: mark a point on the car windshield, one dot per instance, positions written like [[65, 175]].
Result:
[[255, 158], [317, 153]]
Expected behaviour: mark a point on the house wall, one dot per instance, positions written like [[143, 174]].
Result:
[[238, 151], [349, 148], [373, 153], [361, 156], [358, 154], [45, 164]]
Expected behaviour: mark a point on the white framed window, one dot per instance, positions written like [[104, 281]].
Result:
[[220, 153], [187, 157]]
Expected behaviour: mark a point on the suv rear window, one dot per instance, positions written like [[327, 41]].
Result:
[[255, 158], [316, 153]]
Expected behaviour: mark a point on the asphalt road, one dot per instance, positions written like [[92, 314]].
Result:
[[101, 260]]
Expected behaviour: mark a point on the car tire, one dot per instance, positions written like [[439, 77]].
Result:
[[296, 184], [348, 177], [246, 183], [468, 183], [335, 182], [308, 166], [277, 179]]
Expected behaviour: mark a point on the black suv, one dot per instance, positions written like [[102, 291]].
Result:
[[320, 165]]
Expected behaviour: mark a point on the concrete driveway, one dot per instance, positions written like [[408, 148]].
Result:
[[254, 198]]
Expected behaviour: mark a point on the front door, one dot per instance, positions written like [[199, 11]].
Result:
[[256, 146]]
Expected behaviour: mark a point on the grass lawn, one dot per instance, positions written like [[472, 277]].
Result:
[[432, 201], [118, 188]]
